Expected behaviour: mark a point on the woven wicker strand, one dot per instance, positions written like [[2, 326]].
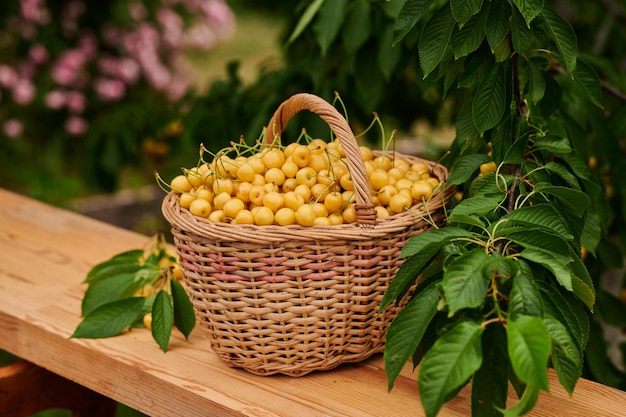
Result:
[[294, 299]]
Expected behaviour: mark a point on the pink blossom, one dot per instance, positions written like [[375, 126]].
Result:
[[65, 69], [13, 128], [109, 89], [55, 99], [76, 126], [201, 37], [23, 92], [171, 24], [8, 76], [38, 54], [137, 11], [76, 102], [34, 11], [128, 70], [219, 16]]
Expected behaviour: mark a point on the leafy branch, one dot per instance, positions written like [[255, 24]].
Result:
[[136, 288], [502, 292]]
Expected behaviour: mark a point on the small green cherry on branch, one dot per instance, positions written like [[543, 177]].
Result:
[[139, 288]]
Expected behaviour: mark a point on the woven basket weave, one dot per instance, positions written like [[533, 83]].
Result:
[[294, 299]]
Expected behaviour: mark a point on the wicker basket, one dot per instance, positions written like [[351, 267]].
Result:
[[293, 299]]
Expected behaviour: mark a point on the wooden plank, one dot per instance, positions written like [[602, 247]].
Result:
[[45, 253]]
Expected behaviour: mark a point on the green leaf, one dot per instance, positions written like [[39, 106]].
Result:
[[568, 309], [581, 280], [551, 263], [529, 9], [577, 164], [564, 37], [529, 346], [105, 291], [476, 206], [524, 405], [501, 139], [553, 95], [449, 364], [536, 82], [515, 153], [184, 315], [541, 215], [435, 38], [328, 23], [357, 28], [538, 239], [566, 357], [489, 103], [407, 274], [162, 319], [477, 67], [407, 329], [575, 200], [412, 11], [502, 52], [432, 238], [552, 143], [466, 219], [588, 79], [497, 24], [466, 40], [388, 55], [584, 292], [521, 34], [563, 172], [525, 297], [305, 19], [463, 10], [490, 382], [465, 280], [110, 319], [465, 166], [122, 264]]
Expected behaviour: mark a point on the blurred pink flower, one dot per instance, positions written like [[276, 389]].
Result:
[[34, 11], [137, 11], [55, 99], [172, 25], [109, 89], [76, 126], [200, 36], [23, 92], [38, 54], [220, 17], [76, 102], [8, 76], [13, 128], [126, 69], [66, 68]]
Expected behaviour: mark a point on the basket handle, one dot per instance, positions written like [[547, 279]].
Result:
[[364, 207]]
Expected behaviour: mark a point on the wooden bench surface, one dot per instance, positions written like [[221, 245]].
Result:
[[45, 253]]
